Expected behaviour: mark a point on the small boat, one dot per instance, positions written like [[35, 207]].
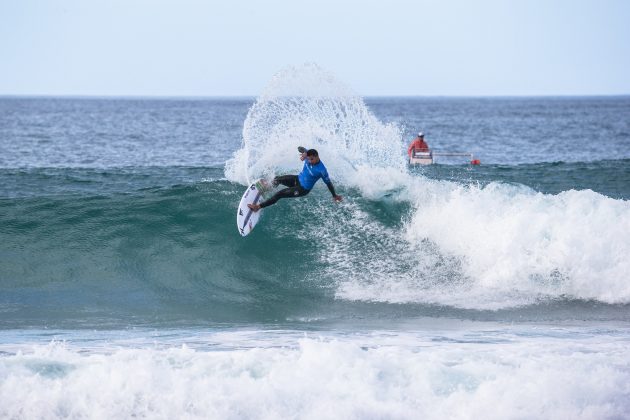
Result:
[[421, 158], [427, 157]]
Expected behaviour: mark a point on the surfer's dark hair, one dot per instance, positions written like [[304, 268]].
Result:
[[311, 152]]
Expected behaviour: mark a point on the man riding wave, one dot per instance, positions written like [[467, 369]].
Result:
[[301, 184]]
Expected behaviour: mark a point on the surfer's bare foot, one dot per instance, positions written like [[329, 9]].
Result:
[[254, 207]]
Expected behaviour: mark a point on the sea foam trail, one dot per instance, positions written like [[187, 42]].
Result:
[[464, 245], [391, 375]]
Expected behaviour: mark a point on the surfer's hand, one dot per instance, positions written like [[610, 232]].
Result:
[[303, 156], [254, 207], [337, 198]]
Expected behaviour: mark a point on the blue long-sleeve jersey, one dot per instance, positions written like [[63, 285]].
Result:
[[312, 173]]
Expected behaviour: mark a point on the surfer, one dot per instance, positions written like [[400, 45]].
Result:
[[418, 145], [300, 185]]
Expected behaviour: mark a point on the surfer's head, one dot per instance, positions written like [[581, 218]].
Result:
[[312, 156]]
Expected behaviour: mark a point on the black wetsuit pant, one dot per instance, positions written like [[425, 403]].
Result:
[[294, 190]]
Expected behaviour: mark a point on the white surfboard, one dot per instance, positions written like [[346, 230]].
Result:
[[246, 219]]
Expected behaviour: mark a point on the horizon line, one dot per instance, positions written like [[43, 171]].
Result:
[[202, 97]]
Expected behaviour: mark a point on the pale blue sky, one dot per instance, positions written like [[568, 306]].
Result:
[[393, 47]]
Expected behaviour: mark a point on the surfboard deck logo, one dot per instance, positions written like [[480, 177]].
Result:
[[246, 219]]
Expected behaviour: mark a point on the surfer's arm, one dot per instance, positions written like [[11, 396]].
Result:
[[331, 188], [328, 182]]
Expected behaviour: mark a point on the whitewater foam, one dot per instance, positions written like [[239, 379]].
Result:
[[375, 375], [573, 244], [487, 247]]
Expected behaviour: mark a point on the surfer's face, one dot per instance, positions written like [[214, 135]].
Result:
[[313, 160]]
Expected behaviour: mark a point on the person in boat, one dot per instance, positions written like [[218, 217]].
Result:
[[418, 145], [300, 185]]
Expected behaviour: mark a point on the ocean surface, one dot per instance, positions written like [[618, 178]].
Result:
[[449, 291]]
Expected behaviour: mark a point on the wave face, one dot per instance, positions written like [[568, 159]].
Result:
[[171, 252]]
